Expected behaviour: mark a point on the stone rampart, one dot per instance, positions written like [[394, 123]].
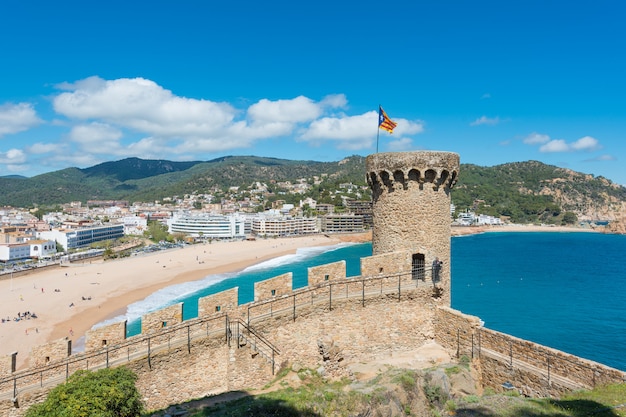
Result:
[[357, 319], [531, 368], [54, 351], [322, 274], [273, 287], [218, 303], [104, 336]]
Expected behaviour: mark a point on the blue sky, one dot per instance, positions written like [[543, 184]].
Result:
[[85, 82]]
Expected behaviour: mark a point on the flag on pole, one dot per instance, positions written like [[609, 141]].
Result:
[[384, 122]]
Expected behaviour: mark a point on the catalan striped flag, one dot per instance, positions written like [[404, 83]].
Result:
[[384, 122]]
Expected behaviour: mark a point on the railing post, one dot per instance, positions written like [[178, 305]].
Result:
[[188, 340], [227, 330], [15, 387], [107, 356], [330, 297], [472, 355], [149, 361], [294, 307], [511, 353], [458, 342], [67, 370], [548, 371], [363, 294]]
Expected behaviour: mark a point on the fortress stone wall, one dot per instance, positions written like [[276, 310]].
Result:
[[394, 306]]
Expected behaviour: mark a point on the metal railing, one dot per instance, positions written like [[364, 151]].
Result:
[[245, 334], [138, 347], [331, 292], [184, 334], [551, 366]]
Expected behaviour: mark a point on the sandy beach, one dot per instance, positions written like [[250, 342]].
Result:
[[70, 300]]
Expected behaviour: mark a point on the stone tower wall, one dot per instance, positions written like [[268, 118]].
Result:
[[411, 206]]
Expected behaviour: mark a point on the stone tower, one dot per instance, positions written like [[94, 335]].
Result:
[[411, 208]]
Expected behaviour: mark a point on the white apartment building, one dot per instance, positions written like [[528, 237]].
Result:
[[83, 236], [33, 249], [283, 226], [208, 225], [134, 225]]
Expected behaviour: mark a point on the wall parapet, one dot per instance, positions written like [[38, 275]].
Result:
[[535, 369]]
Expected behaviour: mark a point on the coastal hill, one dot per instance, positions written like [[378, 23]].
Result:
[[522, 192]]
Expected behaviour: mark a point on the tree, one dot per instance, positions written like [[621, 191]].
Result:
[[569, 218], [109, 392], [156, 231], [60, 248]]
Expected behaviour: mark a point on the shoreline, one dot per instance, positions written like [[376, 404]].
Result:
[[472, 230]]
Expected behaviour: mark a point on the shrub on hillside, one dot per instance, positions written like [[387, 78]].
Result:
[[104, 393]]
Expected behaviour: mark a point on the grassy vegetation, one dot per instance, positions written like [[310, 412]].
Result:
[[608, 401], [403, 392]]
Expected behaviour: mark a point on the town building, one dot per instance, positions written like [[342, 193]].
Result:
[[83, 236], [32, 249], [265, 225], [208, 225], [342, 223]]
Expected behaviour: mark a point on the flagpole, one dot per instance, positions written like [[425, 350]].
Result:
[[377, 128], [377, 135]]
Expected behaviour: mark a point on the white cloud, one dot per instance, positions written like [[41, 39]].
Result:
[[299, 109], [137, 117], [586, 143], [12, 156], [41, 148], [94, 133], [16, 118], [342, 129], [536, 139], [605, 157], [142, 105], [334, 101], [354, 132], [484, 120], [401, 144], [555, 145], [98, 138]]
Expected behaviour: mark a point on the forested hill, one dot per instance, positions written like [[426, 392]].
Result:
[[532, 191], [522, 191]]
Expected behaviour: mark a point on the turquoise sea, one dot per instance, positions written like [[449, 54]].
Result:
[[563, 290]]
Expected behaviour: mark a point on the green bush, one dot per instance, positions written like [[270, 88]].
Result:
[[104, 393]]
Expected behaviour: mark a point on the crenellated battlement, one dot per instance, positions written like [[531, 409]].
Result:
[[400, 171]]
